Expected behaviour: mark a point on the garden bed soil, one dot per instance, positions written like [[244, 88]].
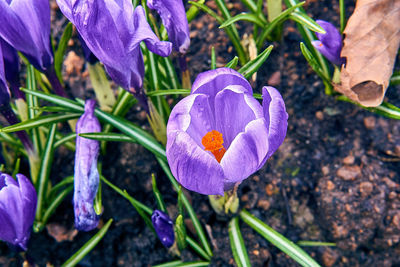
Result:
[[336, 178]]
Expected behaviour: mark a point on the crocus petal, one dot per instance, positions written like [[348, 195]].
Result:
[[164, 227], [28, 30], [197, 107], [4, 91], [194, 168], [234, 109], [246, 152], [113, 32], [212, 81], [330, 43], [86, 176], [173, 16], [11, 60], [276, 116], [17, 209]]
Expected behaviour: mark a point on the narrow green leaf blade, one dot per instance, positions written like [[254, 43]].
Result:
[[85, 249], [62, 46], [245, 17], [252, 66], [281, 242], [157, 194], [306, 21], [237, 244], [108, 137], [233, 63]]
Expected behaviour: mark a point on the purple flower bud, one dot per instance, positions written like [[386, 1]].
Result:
[[220, 134], [112, 30], [86, 177], [26, 27], [330, 43], [164, 227], [173, 16], [17, 210]]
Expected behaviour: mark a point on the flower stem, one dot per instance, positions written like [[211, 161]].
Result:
[[55, 82]]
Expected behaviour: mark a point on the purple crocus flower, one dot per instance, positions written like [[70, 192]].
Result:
[[164, 227], [4, 91], [17, 210], [112, 30], [173, 16], [26, 27], [11, 61], [329, 43], [89, 56], [86, 177], [220, 134]]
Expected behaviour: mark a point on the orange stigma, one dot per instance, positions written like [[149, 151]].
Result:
[[212, 142]]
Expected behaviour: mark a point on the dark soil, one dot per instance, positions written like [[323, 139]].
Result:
[[336, 178]]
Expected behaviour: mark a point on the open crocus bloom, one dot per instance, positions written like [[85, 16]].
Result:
[[220, 134], [17, 210]]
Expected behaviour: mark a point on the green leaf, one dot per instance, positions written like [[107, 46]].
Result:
[[342, 9], [197, 248], [40, 121], [274, 8], [395, 79], [98, 205], [101, 86], [66, 140], [157, 194], [233, 63], [169, 92], [32, 102], [278, 240], [125, 126], [44, 173], [85, 249], [237, 244], [180, 232], [306, 243], [62, 46], [245, 17], [252, 66], [213, 59], [385, 109], [313, 62], [189, 208], [306, 21], [108, 137], [267, 30]]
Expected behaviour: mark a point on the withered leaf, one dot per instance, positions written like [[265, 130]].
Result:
[[372, 39]]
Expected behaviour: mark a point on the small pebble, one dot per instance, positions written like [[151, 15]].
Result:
[[319, 115], [369, 122], [349, 172], [349, 160]]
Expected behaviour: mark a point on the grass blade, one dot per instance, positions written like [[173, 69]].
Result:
[[237, 244], [233, 63], [306, 21], [157, 194], [245, 17], [108, 137], [62, 46], [278, 240], [252, 66], [85, 249]]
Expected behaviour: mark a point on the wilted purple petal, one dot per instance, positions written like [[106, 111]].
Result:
[[27, 29], [330, 43], [164, 227], [113, 32], [17, 209], [246, 152], [276, 117], [86, 177], [234, 109], [173, 16], [193, 167]]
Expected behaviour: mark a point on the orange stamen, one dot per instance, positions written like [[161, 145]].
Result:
[[212, 142]]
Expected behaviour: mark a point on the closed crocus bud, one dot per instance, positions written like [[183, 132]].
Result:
[[329, 44], [25, 25], [17, 210], [86, 177], [113, 31], [220, 134], [164, 227], [173, 16]]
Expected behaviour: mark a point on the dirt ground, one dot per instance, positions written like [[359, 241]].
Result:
[[336, 178]]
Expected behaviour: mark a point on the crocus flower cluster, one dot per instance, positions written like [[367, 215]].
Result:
[[164, 227], [220, 134], [173, 16], [86, 177], [112, 30], [329, 43], [17, 210]]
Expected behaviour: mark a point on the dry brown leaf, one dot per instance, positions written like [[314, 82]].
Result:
[[372, 39]]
